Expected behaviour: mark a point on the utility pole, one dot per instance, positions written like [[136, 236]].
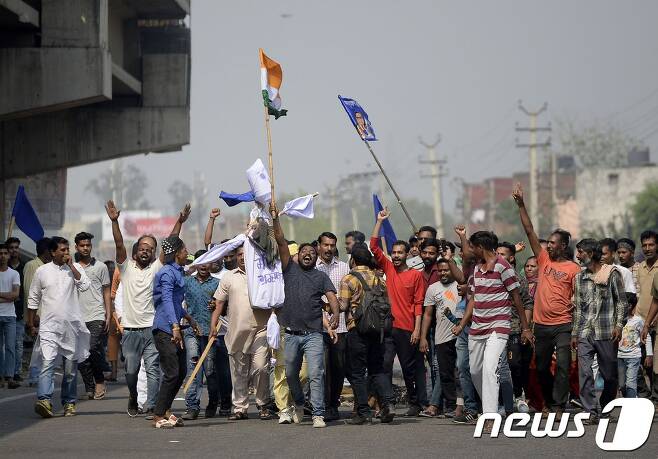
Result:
[[436, 174], [532, 146]]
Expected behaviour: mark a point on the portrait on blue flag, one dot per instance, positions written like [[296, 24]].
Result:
[[359, 118]]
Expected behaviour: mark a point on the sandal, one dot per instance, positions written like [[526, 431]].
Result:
[[265, 414], [428, 413], [163, 424], [100, 395], [238, 416], [176, 421]]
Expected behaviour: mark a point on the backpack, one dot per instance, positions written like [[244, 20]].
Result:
[[373, 316]]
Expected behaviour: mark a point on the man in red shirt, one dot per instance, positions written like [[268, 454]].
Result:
[[406, 292]]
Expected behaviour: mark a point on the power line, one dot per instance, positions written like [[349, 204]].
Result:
[[631, 106]]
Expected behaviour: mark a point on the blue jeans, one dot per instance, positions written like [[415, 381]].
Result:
[[20, 335], [8, 342], [628, 371], [506, 384], [471, 400], [46, 385], [192, 353], [311, 346], [135, 345]]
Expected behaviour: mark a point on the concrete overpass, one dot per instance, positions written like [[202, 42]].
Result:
[[83, 81]]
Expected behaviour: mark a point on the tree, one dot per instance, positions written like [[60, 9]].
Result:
[[125, 185], [596, 145], [181, 194], [645, 208]]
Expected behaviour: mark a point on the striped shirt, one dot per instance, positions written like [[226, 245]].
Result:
[[336, 270], [492, 311]]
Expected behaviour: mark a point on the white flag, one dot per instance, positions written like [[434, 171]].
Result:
[[301, 207], [259, 181]]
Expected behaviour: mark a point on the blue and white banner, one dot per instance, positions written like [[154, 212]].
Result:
[[359, 118]]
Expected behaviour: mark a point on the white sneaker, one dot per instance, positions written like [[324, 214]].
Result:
[[284, 417], [521, 406], [318, 422], [297, 414]]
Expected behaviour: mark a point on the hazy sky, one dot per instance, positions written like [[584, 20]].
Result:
[[418, 68]]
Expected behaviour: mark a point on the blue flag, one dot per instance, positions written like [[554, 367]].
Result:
[[235, 199], [25, 217], [386, 230], [359, 118]]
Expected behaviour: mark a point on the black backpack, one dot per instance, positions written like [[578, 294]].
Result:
[[373, 316]]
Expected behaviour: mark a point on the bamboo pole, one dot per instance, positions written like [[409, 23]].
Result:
[[199, 364], [269, 151], [11, 226]]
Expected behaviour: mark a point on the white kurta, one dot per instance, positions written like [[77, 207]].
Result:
[[62, 331]]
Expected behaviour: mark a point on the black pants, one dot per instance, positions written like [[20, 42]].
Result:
[[335, 370], [366, 354], [92, 368], [412, 363], [173, 367], [549, 338], [446, 354], [519, 357]]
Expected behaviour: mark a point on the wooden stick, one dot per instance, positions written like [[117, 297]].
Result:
[[11, 226], [269, 151], [199, 364], [397, 196]]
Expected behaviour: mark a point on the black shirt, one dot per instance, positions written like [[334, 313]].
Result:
[[302, 308]]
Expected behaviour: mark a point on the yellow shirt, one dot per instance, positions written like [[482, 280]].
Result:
[[645, 275]]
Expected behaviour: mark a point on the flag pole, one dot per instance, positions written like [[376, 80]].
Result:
[[397, 196], [11, 226], [269, 152]]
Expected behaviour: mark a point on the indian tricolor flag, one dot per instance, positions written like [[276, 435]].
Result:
[[271, 76]]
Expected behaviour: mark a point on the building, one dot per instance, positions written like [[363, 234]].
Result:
[[83, 81], [484, 203], [605, 195]]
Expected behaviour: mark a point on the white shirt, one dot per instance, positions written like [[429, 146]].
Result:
[[138, 308], [55, 290], [627, 277], [8, 280]]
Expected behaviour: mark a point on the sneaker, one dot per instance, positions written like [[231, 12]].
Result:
[[331, 414], [191, 414], [318, 422], [297, 414], [466, 418], [11, 384], [133, 409], [522, 406], [412, 412], [284, 417], [44, 408], [149, 414], [357, 420], [69, 409], [386, 416], [211, 411]]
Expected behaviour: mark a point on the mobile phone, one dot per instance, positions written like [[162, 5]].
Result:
[[450, 316]]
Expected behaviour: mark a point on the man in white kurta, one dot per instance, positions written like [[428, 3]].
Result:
[[62, 331]]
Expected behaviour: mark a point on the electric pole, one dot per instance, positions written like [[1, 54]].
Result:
[[437, 172], [532, 146]]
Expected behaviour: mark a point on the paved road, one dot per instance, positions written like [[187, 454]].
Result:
[[102, 429]]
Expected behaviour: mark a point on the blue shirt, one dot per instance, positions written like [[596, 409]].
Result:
[[168, 292], [197, 296]]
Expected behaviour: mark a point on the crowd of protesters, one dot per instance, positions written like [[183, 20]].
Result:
[[473, 332]]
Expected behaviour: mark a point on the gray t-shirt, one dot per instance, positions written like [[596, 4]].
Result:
[[302, 308], [442, 296], [92, 305]]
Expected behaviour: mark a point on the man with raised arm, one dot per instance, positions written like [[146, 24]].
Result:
[[406, 292], [137, 277], [553, 308], [302, 320]]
